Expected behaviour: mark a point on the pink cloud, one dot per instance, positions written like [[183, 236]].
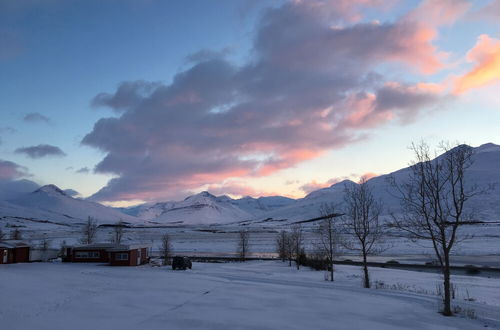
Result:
[[485, 55], [424, 22], [10, 170], [310, 86], [314, 185], [367, 176]]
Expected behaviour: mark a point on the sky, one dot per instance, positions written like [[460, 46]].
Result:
[[130, 101]]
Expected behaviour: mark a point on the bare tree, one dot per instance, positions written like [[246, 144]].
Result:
[[361, 223], [297, 243], [117, 233], [328, 233], [433, 200], [243, 244], [16, 234], [289, 247], [45, 247], [166, 249], [89, 231], [62, 249], [281, 245]]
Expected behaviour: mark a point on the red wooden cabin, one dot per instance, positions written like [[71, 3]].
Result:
[[14, 251]]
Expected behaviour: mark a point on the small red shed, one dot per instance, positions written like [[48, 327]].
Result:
[[14, 251]]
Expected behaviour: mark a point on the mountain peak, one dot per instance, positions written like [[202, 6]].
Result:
[[51, 189], [488, 147], [203, 194], [343, 183]]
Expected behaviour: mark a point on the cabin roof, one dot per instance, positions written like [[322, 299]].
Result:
[[12, 244], [110, 247]]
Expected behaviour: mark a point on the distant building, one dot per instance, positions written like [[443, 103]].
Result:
[[115, 254], [14, 251]]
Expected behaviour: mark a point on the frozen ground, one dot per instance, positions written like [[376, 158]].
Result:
[[252, 295]]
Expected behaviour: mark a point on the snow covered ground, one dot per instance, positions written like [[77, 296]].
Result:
[[252, 295]]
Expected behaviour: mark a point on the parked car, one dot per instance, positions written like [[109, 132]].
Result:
[[181, 263]]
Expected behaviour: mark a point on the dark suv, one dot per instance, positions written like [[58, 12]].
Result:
[[181, 263]]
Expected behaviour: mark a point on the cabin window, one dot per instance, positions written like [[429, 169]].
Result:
[[121, 256], [87, 254]]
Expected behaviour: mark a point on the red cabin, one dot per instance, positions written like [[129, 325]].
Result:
[[115, 254], [13, 252], [88, 253]]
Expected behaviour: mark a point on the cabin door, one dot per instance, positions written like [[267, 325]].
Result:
[[139, 256], [4, 257]]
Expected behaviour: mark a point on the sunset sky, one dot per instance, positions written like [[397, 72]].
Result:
[[127, 101]]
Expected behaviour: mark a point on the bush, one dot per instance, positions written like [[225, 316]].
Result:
[[314, 261], [392, 262], [471, 270]]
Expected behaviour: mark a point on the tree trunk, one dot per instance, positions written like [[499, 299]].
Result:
[[365, 270], [447, 286], [331, 270]]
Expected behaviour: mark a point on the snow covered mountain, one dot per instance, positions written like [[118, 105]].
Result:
[[261, 205], [484, 172], [51, 203], [202, 208]]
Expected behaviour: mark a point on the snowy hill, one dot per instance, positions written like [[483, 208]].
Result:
[[51, 203], [202, 208], [261, 205], [484, 172], [205, 208]]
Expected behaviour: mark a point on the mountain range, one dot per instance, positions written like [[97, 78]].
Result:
[[49, 203]]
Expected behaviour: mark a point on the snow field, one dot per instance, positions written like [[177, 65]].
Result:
[[251, 295]]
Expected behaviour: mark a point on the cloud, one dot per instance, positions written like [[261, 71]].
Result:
[[35, 117], [10, 170], [391, 101], [11, 184], [486, 71], [311, 85], [83, 170], [128, 95], [367, 176], [437, 13], [314, 185], [207, 55], [41, 150], [490, 12]]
